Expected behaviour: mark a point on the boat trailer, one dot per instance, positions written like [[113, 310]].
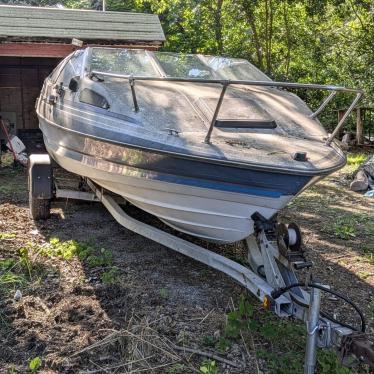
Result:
[[274, 253]]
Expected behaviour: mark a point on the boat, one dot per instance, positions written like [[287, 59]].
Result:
[[204, 143]]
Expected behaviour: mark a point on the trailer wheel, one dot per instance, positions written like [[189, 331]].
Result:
[[39, 208], [40, 186]]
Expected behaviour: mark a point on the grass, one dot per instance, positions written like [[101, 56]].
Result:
[[89, 254], [368, 253], [34, 364], [110, 276], [344, 229], [283, 342], [12, 179], [7, 236], [322, 205], [20, 271], [356, 159], [209, 367]]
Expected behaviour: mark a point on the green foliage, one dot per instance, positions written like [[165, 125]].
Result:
[[103, 257], [14, 273], [34, 364], [344, 230], [284, 340], [67, 250], [209, 367], [356, 159], [240, 319], [110, 276], [368, 251], [328, 364], [164, 293], [5, 236], [223, 345], [208, 340]]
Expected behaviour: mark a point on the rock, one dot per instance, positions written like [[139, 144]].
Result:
[[361, 182], [370, 194], [17, 296]]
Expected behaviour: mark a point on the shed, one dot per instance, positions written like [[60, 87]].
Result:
[[33, 40]]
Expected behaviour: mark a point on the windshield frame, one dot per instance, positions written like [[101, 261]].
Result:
[[157, 66]]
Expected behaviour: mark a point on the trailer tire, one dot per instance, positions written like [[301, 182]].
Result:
[[39, 208], [40, 186]]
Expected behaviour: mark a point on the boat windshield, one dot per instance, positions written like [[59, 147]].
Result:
[[135, 62], [208, 67], [123, 62]]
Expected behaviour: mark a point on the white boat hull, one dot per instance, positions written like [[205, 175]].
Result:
[[214, 215]]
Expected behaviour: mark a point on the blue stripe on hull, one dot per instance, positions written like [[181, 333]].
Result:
[[214, 185], [180, 170]]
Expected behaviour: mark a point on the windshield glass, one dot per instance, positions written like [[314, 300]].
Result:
[[176, 65], [123, 61], [208, 67], [185, 66], [235, 68]]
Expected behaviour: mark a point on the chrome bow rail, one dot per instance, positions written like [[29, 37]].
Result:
[[226, 83]]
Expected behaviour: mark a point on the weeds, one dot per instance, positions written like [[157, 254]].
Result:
[[102, 258], [13, 274], [92, 256], [284, 341], [65, 250], [344, 230], [209, 367], [368, 252], [7, 236], [34, 364], [356, 159], [208, 341], [110, 276], [222, 345]]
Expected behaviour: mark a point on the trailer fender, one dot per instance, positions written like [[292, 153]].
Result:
[[40, 176]]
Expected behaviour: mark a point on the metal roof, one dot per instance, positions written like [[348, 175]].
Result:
[[21, 22]]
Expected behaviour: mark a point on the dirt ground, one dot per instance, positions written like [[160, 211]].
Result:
[[112, 301]]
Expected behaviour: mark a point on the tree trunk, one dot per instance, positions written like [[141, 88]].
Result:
[[288, 37], [218, 26], [248, 11]]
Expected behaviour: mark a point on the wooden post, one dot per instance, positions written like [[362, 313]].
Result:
[[359, 126]]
